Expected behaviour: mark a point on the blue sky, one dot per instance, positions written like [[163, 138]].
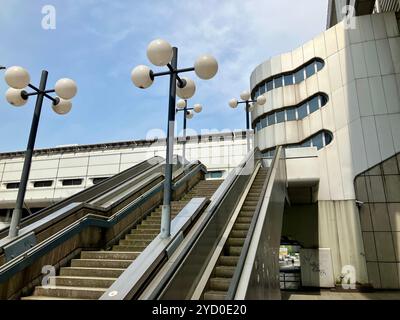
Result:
[[98, 42]]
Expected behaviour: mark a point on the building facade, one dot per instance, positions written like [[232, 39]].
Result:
[[339, 93]]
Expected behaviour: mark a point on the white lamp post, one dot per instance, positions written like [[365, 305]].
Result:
[[187, 114], [18, 79], [246, 99], [161, 53]]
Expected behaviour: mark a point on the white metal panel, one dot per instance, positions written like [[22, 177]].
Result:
[[276, 65], [385, 57], [371, 58], [340, 110], [341, 37], [394, 44], [351, 102], [378, 95], [334, 72], [357, 146], [378, 25], [364, 24], [297, 57], [346, 65], [364, 97], [287, 64], [346, 164], [292, 132], [357, 53], [395, 126], [308, 50], [391, 93], [391, 26], [312, 85], [371, 141], [319, 46], [386, 144], [331, 41], [334, 171], [315, 121]]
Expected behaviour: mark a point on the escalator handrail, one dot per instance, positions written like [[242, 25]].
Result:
[[47, 211], [242, 258], [89, 220]]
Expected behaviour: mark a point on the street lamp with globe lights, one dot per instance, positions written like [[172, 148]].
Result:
[[187, 114], [246, 99], [18, 79], [161, 53]]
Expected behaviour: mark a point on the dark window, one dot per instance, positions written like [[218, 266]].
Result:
[[324, 100], [12, 185], [320, 65], [262, 89], [291, 114], [280, 116], [270, 85], [302, 111], [328, 138], [288, 79], [72, 182], [278, 82], [214, 174], [98, 180], [314, 104], [264, 122], [258, 125], [306, 143], [257, 92], [299, 76], [42, 184], [271, 119], [310, 70], [317, 141]]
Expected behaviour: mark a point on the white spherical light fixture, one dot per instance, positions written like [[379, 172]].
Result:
[[189, 114], [188, 90], [159, 52], [141, 77], [206, 67], [233, 103], [261, 100], [245, 95], [66, 88], [17, 77], [14, 97], [181, 104], [63, 106], [197, 108]]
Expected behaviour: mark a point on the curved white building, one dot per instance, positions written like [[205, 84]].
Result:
[[339, 93]]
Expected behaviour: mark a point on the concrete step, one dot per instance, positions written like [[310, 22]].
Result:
[[100, 263], [215, 295], [228, 261], [140, 237], [153, 232], [91, 272], [234, 250], [220, 284], [148, 227], [224, 271], [70, 292], [236, 241], [109, 255], [88, 282], [129, 248], [151, 222], [125, 242]]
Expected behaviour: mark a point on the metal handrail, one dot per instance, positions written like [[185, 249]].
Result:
[[242, 258], [89, 220]]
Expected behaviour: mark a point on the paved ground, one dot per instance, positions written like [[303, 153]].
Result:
[[330, 295]]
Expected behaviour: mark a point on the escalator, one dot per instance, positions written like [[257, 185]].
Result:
[[222, 273], [89, 276]]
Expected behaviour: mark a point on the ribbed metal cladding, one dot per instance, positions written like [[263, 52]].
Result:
[[387, 5]]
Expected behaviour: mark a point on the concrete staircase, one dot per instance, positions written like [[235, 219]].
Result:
[[221, 277], [91, 275]]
